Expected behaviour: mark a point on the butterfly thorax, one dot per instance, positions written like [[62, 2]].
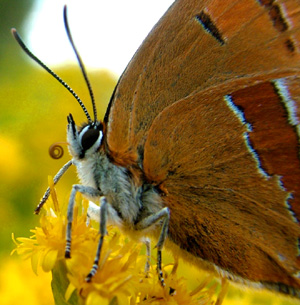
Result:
[[129, 203]]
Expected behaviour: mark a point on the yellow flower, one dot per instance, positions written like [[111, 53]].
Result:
[[120, 278]]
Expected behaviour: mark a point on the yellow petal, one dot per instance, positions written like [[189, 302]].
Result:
[[49, 260], [95, 299], [69, 291], [34, 261]]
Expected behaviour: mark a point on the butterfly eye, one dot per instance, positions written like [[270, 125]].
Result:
[[89, 138]]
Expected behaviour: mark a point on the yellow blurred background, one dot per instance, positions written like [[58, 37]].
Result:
[[33, 115]]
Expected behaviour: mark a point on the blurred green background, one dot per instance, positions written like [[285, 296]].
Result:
[[33, 115]]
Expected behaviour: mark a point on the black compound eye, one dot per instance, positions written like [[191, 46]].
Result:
[[89, 138]]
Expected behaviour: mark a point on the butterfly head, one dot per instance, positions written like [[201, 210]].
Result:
[[84, 141]]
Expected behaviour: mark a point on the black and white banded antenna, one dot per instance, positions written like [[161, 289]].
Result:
[[37, 60], [81, 65]]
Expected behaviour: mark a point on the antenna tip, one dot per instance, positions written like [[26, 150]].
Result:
[[13, 31]]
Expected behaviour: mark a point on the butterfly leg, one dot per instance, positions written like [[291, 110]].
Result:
[[102, 231], [85, 190], [148, 254], [55, 180], [164, 216]]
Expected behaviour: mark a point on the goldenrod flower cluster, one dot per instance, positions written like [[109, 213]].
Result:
[[121, 277]]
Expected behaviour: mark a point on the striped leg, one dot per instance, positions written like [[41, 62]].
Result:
[[164, 216], [148, 254], [102, 231], [85, 190]]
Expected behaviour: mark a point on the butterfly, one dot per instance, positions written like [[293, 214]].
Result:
[[199, 145]]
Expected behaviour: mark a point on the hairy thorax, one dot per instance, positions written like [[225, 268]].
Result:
[[128, 202]]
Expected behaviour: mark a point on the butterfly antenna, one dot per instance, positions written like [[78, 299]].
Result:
[[30, 54], [80, 64]]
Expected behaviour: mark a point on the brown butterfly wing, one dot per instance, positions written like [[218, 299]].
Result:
[[209, 106], [179, 56], [224, 208]]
